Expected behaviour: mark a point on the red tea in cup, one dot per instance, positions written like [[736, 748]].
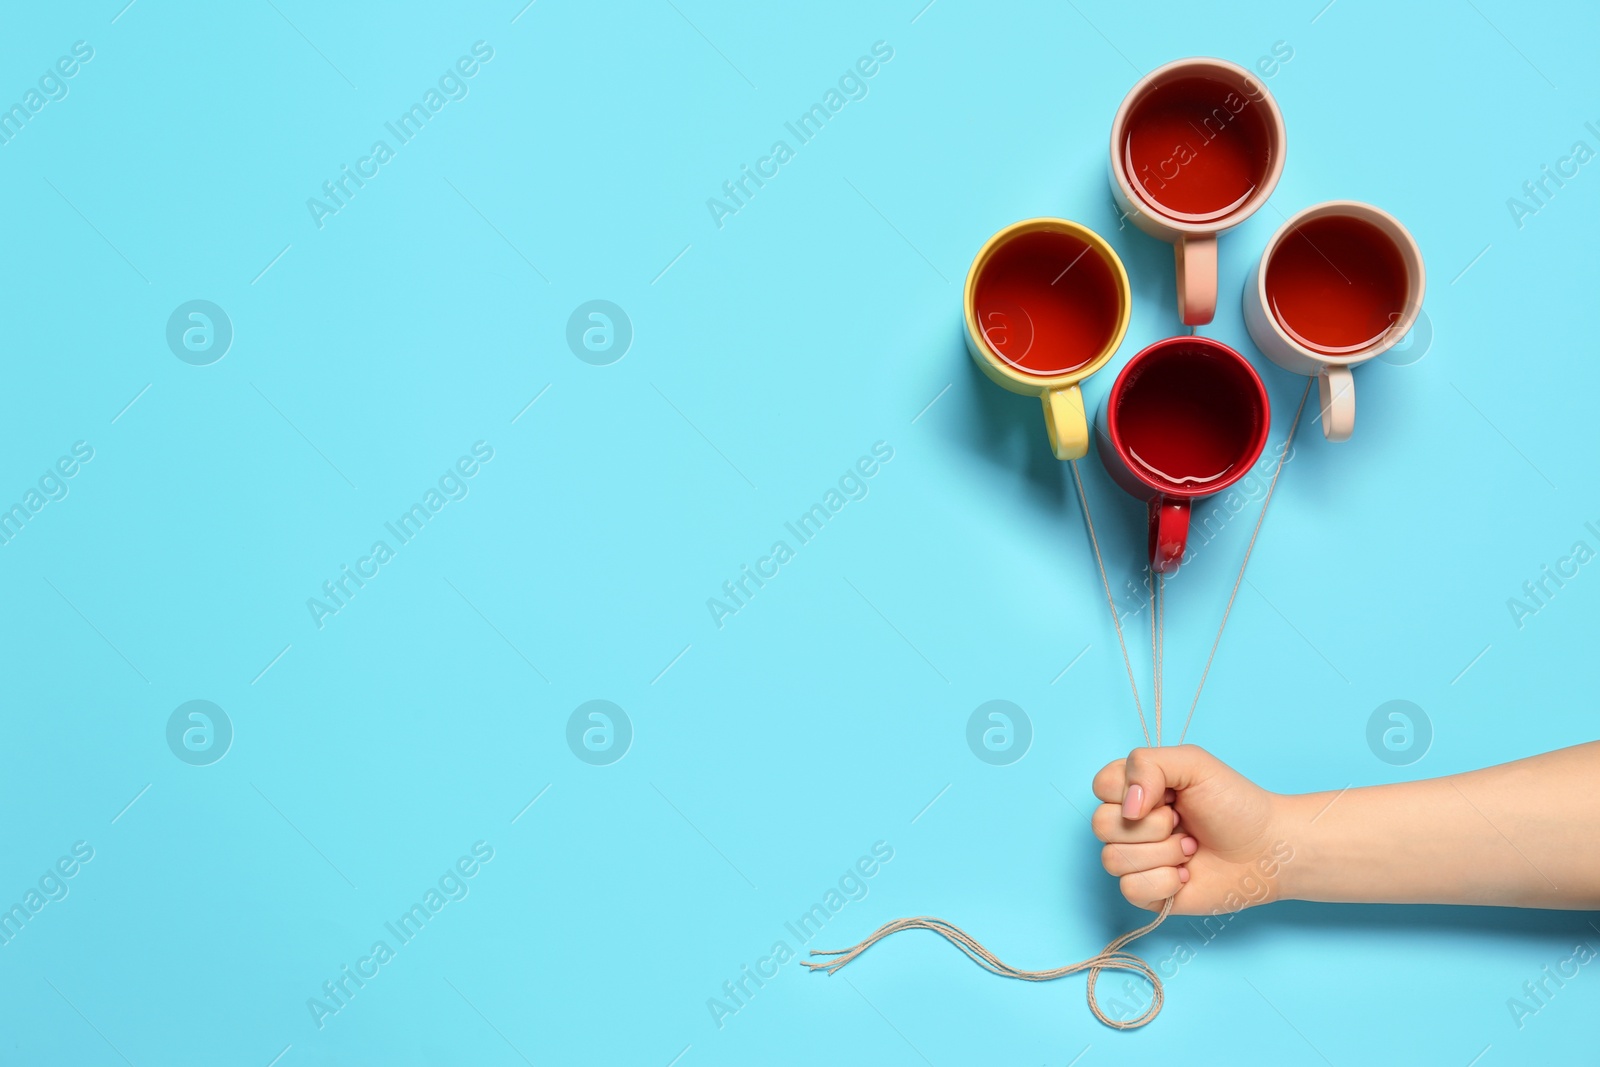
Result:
[[1336, 284], [1197, 148], [1340, 283], [1187, 417], [1047, 303], [1188, 420]]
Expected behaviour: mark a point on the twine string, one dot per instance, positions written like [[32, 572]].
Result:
[[1158, 639], [1111, 958], [1114, 957], [1251, 547], [1156, 666], [1116, 619]]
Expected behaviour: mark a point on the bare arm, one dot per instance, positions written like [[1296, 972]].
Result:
[[1523, 834]]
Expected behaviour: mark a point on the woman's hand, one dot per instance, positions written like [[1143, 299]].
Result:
[[1177, 821]]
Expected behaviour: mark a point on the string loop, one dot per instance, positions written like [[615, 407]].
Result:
[[1110, 958]]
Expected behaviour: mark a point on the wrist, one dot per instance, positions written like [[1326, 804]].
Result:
[[1290, 842]]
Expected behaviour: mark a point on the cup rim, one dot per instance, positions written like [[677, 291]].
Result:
[[1258, 443], [1034, 383], [1274, 168], [1410, 255]]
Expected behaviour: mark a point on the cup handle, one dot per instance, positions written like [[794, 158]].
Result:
[[1197, 278], [1169, 532], [1336, 390], [1064, 419]]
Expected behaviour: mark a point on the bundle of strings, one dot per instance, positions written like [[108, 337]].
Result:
[[1110, 958], [1114, 957]]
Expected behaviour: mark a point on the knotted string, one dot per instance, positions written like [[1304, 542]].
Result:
[[1114, 956]]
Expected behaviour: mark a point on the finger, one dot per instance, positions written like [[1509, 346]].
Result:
[[1120, 859], [1111, 784], [1148, 889], [1150, 772], [1109, 825]]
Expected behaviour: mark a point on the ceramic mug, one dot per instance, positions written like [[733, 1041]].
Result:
[[1046, 305], [1196, 147], [1187, 417], [1339, 283]]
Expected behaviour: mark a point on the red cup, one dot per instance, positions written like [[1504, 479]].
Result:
[[1187, 417]]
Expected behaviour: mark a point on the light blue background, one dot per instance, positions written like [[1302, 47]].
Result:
[[771, 753]]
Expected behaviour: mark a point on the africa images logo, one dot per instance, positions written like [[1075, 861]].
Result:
[[452, 85], [853, 885], [52, 87], [737, 592], [852, 85], [453, 885], [452, 485]]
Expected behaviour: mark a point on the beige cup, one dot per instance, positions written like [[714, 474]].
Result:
[[1195, 242], [1336, 387]]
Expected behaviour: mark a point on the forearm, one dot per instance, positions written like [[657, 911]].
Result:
[[1522, 834]]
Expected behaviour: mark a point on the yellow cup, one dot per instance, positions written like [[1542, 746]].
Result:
[[1046, 305]]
